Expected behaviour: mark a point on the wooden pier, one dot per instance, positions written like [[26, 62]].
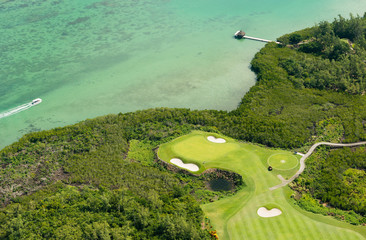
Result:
[[259, 39], [241, 34]]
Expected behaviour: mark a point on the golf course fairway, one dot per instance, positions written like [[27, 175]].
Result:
[[236, 217]]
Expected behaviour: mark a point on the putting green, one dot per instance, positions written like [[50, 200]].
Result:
[[236, 217], [197, 147], [282, 161]]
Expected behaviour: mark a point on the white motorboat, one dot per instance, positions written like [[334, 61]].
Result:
[[36, 101]]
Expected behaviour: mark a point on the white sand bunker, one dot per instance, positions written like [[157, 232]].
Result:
[[216, 140], [190, 166], [264, 212]]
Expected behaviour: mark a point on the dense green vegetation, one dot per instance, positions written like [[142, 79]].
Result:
[[310, 88], [278, 114], [321, 97], [297, 90], [112, 159], [114, 191], [89, 213], [340, 184], [337, 60]]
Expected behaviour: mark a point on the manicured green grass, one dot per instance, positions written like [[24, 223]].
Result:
[[236, 217], [283, 161], [197, 147]]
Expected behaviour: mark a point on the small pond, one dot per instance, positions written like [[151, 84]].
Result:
[[220, 184]]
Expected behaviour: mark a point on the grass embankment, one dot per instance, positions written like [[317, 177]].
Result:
[[236, 217]]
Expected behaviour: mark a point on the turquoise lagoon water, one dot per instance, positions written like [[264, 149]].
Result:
[[89, 58]]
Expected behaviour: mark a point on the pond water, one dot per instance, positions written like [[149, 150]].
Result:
[[220, 184]]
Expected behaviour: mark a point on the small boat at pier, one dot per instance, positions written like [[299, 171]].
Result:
[[239, 34]]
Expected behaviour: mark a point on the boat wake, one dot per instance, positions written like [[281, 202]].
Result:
[[20, 108]]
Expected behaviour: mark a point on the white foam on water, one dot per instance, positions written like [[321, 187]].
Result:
[[16, 110]]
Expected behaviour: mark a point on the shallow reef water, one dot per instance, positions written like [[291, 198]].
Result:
[[94, 57]]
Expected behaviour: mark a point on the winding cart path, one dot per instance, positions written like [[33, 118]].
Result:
[[304, 157]]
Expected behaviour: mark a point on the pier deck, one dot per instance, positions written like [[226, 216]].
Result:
[[260, 39]]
